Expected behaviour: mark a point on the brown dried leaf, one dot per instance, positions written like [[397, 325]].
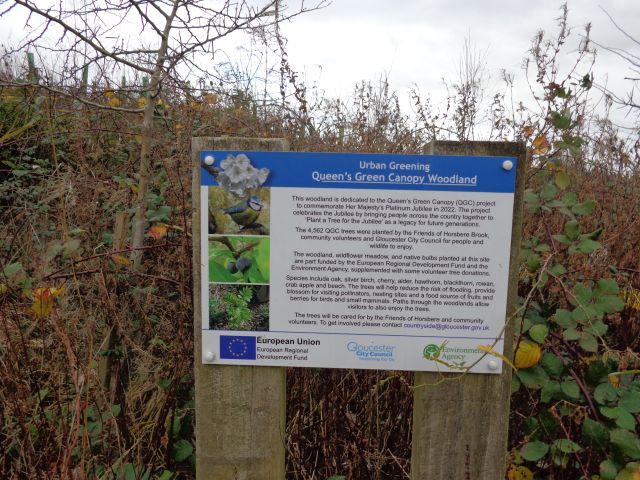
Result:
[[158, 231], [540, 145]]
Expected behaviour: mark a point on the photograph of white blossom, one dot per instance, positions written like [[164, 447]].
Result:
[[238, 205]]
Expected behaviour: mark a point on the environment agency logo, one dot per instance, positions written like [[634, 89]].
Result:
[[431, 351]]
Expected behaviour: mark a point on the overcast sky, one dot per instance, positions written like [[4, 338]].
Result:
[[418, 42]]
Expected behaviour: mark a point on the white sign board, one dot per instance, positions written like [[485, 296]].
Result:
[[395, 262]]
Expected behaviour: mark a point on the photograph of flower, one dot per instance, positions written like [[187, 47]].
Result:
[[238, 204], [239, 307], [239, 259]]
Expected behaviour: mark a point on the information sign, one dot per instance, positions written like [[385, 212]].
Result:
[[336, 260]]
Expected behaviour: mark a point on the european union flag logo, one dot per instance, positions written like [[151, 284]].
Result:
[[236, 347]]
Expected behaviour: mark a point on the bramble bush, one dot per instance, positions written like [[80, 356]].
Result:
[[79, 402]]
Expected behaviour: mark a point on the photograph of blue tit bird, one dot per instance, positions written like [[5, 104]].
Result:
[[246, 212]]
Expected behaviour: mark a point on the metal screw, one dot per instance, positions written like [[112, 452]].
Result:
[[493, 365], [209, 356], [208, 160], [507, 164]]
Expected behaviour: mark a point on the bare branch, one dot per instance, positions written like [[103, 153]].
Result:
[[89, 41]]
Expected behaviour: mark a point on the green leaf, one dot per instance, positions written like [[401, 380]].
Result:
[[561, 92], [538, 333], [597, 327], [606, 286], [558, 270], [570, 143], [570, 389], [584, 208], [587, 246], [543, 247], [562, 179], [564, 318], [166, 475], [533, 262], [622, 418], [569, 199], [515, 384], [559, 204], [605, 393], [595, 433], [182, 450], [549, 391], [563, 239], [588, 342], [630, 401], [534, 377], [626, 442], [560, 121], [571, 334], [548, 191], [161, 214], [337, 477], [608, 470], [583, 293], [626, 420], [531, 199], [567, 446], [552, 364], [572, 229], [586, 314], [534, 451], [595, 235], [609, 304]]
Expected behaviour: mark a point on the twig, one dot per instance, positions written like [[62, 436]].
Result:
[[98, 270], [110, 253]]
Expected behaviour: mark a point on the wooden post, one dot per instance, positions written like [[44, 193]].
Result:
[[460, 426], [240, 411]]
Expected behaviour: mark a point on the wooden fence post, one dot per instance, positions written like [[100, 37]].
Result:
[[460, 426], [240, 411]]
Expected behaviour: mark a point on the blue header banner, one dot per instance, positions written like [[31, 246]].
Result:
[[367, 170]]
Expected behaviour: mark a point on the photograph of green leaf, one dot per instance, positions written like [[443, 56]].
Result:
[[239, 307], [239, 259]]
